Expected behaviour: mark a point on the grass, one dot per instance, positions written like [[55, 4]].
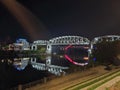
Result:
[[106, 89], [91, 81], [81, 82], [99, 84], [116, 86]]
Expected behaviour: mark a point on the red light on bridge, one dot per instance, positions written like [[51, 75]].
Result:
[[72, 61]]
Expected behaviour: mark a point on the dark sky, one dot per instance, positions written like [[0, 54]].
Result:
[[87, 18]]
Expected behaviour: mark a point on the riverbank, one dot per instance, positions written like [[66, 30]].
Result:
[[67, 81]]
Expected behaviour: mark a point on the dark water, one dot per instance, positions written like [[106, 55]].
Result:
[[11, 75], [15, 71], [22, 70]]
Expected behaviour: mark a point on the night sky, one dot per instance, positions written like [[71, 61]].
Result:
[[87, 18]]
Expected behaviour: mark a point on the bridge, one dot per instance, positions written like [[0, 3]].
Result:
[[59, 41], [62, 40], [107, 38], [66, 40], [71, 40]]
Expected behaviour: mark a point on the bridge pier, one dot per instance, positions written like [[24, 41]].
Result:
[[33, 60], [49, 49], [34, 47], [48, 60]]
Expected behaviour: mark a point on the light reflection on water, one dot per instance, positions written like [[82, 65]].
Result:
[[56, 63], [20, 63], [56, 66], [21, 70], [15, 71]]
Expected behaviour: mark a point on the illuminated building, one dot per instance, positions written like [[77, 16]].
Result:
[[21, 44]]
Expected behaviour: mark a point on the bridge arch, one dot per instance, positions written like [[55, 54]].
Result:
[[107, 38], [66, 40]]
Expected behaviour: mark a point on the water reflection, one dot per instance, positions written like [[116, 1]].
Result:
[[22, 70], [55, 66], [15, 71], [58, 61], [20, 63]]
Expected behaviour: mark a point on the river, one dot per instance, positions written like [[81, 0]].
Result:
[[21, 70]]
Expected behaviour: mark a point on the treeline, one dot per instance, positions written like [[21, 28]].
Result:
[[7, 54], [107, 53]]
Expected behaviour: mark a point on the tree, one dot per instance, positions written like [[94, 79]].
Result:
[[107, 52]]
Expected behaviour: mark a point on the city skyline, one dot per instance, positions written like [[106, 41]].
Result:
[[84, 18]]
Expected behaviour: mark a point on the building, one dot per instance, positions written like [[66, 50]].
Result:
[[21, 44]]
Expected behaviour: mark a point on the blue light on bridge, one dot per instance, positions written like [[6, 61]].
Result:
[[94, 59]]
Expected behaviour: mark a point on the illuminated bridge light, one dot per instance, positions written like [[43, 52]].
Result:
[[86, 47], [72, 61], [85, 58], [68, 58], [66, 48]]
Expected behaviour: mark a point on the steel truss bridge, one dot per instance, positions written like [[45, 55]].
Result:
[[63, 40], [66, 40], [75, 40], [107, 38], [71, 40]]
